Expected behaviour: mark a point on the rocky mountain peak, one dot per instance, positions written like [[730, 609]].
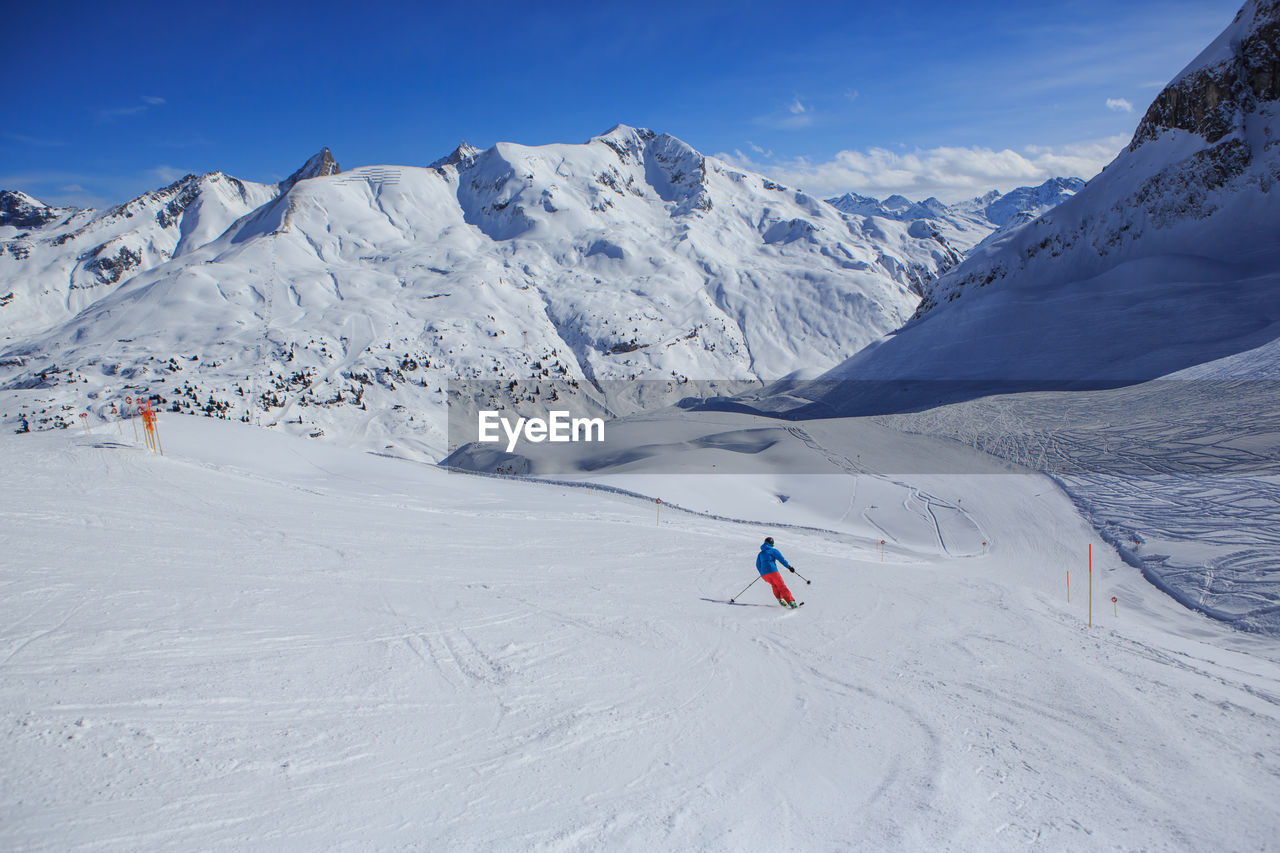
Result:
[[22, 211], [319, 166], [1226, 83], [463, 155]]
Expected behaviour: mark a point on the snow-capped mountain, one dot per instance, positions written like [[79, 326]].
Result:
[[1022, 204], [55, 263], [967, 223], [19, 210], [346, 301], [1167, 259]]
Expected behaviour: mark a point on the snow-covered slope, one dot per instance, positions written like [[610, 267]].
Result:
[[1165, 265], [1170, 257], [258, 642], [345, 304], [966, 224]]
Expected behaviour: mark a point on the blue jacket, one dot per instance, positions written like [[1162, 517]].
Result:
[[765, 561]]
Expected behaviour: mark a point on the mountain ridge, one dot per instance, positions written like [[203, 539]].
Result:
[[966, 224], [631, 255]]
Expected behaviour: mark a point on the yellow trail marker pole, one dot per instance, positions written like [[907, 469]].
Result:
[[1090, 584]]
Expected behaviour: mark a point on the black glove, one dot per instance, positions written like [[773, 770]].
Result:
[[792, 568]]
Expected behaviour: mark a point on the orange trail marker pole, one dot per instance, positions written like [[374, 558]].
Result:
[[882, 550], [1090, 584], [1068, 586], [153, 437], [1114, 612], [658, 516]]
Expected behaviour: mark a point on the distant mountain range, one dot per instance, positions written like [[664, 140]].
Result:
[[967, 223]]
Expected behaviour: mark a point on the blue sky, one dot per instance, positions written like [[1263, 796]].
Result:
[[107, 100]]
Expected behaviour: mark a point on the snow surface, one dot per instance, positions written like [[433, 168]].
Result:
[[265, 642], [260, 642]]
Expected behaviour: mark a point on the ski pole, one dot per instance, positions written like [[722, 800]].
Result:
[[797, 574], [745, 588]]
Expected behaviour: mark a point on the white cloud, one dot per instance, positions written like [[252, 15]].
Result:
[[1119, 105], [795, 115], [34, 141], [121, 112], [795, 121], [126, 112], [950, 173], [166, 174], [73, 188]]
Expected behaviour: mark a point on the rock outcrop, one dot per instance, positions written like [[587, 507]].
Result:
[[1214, 100], [22, 211], [320, 165]]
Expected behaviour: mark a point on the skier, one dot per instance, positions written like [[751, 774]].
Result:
[[766, 565]]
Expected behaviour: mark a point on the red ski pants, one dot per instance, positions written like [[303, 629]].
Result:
[[779, 588]]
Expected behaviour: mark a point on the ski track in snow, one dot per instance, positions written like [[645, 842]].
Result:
[[1181, 477], [929, 503], [263, 643]]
